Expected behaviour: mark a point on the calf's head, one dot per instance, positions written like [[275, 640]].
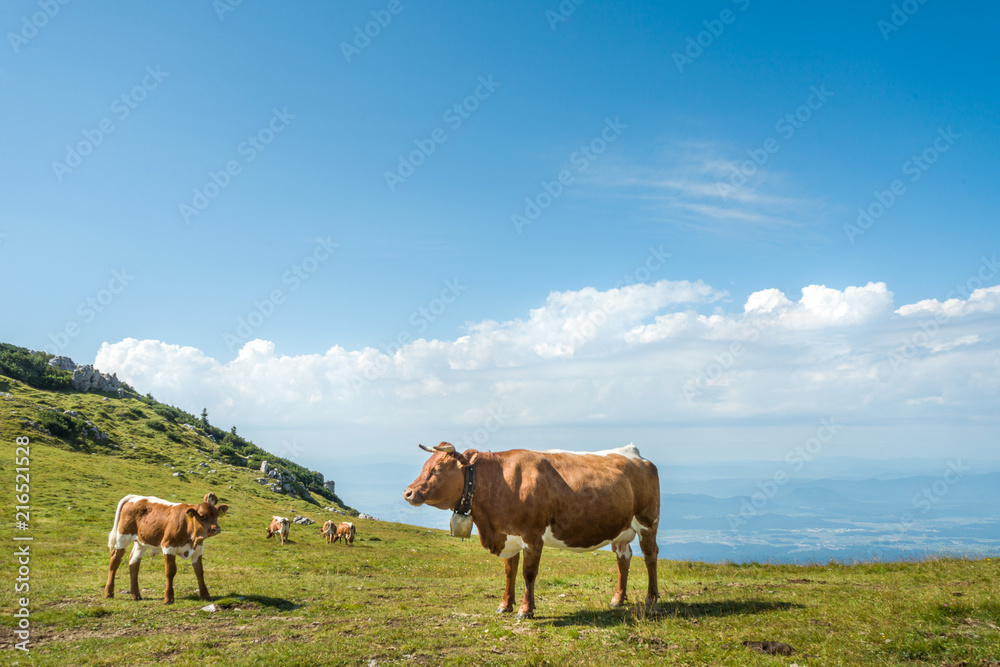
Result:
[[203, 520], [442, 479]]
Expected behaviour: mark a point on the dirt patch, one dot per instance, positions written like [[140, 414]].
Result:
[[770, 647]]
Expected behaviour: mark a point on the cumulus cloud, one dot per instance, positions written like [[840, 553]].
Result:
[[663, 352]]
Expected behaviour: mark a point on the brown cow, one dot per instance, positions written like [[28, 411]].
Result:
[[279, 526], [345, 531], [329, 528], [521, 501], [160, 526]]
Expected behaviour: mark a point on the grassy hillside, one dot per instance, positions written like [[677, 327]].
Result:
[[406, 595]]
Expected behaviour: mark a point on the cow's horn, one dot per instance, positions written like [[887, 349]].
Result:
[[445, 447], [426, 449]]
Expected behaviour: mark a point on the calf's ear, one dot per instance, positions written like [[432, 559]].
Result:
[[191, 512], [222, 509]]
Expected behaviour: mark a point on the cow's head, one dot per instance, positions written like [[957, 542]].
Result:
[[442, 480], [203, 520]]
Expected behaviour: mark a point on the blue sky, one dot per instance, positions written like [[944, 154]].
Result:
[[315, 248]]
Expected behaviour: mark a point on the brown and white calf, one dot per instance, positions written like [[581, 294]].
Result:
[[159, 526], [345, 531], [279, 526], [329, 528], [521, 500]]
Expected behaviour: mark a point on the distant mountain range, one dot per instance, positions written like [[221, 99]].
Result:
[[842, 509]]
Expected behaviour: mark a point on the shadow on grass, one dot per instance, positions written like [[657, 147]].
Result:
[[669, 610], [236, 600]]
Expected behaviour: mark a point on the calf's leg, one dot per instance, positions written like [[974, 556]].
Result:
[[199, 572], [138, 551], [116, 560], [170, 565]]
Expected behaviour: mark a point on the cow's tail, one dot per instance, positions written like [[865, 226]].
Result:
[[113, 535], [351, 534]]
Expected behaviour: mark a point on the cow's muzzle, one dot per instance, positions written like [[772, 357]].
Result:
[[413, 497]]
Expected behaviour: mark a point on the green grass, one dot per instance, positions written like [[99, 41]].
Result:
[[411, 596]]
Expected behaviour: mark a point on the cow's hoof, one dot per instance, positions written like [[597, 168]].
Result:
[[168, 601], [521, 615], [136, 597], [504, 610], [109, 595], [615, 604]]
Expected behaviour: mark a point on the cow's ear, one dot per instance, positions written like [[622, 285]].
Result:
[[222, 509], [466, 458], [192, 512]]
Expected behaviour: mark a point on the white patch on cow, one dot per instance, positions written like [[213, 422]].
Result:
[[512, 546], [622, 550], [629, 451], [122, 541], [186, 552], [138, 551]]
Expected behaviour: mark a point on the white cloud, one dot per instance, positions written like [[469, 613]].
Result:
[[638, 354], [983, 300]]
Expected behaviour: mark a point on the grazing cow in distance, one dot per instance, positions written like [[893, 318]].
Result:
[[345, 531], [329, 528], [156, 525], [521, 500], [279, 526]]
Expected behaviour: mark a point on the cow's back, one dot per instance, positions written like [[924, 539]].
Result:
[[143, 518], [580, 500]]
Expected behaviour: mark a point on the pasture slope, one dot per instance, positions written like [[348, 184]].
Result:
[[410, 596]]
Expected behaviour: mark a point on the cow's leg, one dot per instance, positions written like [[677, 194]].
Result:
[[138, 551], [650, 552], [532, 557], [116, 560], [170, 565], [199, 572], [623, 551], [509, 569]]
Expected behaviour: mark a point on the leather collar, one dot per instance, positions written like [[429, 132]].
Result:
[[465, 504]]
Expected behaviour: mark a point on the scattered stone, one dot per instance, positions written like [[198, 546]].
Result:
[[265, 467], [210, 608], [178, 474], [188, 426], [368, 517], [770, 647], [303, 520]]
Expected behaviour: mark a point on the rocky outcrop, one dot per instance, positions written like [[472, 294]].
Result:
[[88, 378], [328, 485], [62, 363]]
